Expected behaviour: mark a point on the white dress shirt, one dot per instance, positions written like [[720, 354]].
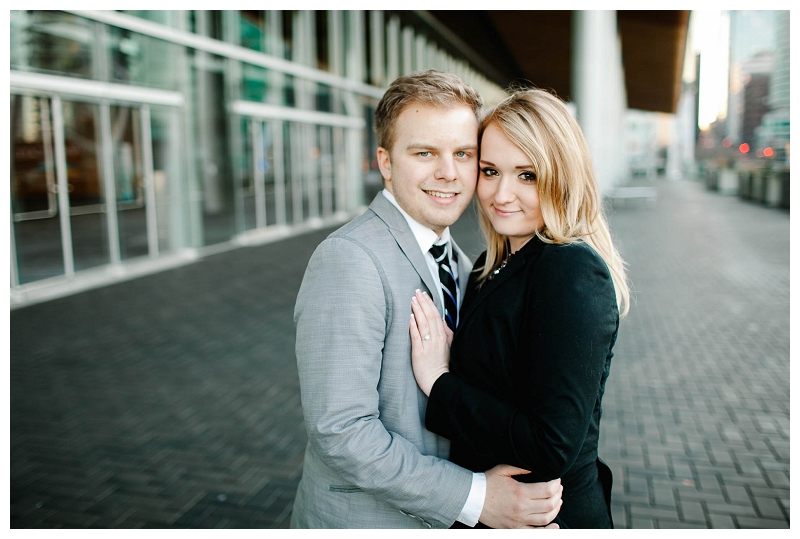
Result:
[[426, 238]]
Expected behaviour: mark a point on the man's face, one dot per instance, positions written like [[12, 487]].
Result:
[[432, 166]]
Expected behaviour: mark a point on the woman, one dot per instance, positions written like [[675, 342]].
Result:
[[529, 361]]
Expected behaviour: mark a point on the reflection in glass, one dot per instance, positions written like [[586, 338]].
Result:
[[37, 232], [212, 150], [245, 172], [52, 42], [168, 169], [86, 193], [144, 61], [166, 17], [129, 179], [255, 83], [252, 27]]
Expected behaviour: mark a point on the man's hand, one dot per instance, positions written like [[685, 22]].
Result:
[[511, 504]]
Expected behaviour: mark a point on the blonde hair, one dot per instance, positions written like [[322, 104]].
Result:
[[428, 87], [541, 126]]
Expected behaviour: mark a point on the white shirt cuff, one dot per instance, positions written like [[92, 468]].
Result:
[[474, 506]]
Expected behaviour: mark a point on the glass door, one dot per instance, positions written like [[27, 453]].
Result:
[[82, 132], [36, 231], [84, 188], [289, 173]]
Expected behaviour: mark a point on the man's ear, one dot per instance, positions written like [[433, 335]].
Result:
[[385, 164]]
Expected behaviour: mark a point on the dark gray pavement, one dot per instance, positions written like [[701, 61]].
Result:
[[172, 400]]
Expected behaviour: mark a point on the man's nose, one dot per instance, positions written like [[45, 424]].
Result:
[[446, 169]]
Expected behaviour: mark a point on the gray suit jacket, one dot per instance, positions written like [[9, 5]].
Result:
[[370, 462]]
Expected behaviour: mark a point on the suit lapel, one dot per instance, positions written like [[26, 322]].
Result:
[[405, 239]]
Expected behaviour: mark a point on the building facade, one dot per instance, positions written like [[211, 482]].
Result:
[[144, 139], [774, 129]]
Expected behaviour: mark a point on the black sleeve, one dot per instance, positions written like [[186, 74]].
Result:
[[567, 337]]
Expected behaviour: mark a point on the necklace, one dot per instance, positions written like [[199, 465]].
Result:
[[503, 265]]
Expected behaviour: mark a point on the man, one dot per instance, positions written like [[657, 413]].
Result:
[[370, 462]]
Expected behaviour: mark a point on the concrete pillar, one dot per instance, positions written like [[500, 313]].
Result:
[[598, 91]]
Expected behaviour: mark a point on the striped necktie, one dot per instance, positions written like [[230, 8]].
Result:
[[449, 287]]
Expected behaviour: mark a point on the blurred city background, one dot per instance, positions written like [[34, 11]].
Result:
[[173, 171]]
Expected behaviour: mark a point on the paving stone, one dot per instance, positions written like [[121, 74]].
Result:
[[778, 478], [664, 496], [653, 512], [737, 494], [692, 511], [642, 523], [143, 401], [723, 522], [769, 508], [68, 519], [730, 509], [749, 522], [667, 524]]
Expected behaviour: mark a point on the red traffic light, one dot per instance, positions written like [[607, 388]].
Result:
[[744, 147]]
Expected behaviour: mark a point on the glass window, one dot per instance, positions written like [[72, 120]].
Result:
[[287, 24], [144, 61], [323, 61], [86, 193], [210, 148], [255, 83], [168, 170], [252, 27], [129, 179], [37, 230], [372, 179], [161, 16], [367, 44], [52, 42]]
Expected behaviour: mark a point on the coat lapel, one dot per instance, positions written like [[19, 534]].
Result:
[[531, 250], [405, 239]]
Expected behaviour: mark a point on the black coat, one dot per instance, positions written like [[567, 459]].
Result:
[[528, 367]]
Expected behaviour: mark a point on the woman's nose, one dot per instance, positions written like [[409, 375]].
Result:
[[505, 191]]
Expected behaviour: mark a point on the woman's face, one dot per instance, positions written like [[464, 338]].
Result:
[[507, 188]]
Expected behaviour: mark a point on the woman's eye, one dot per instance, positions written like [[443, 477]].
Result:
[[528, 176], [489, 172]]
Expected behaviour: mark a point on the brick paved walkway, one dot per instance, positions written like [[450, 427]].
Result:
[[696, 410], [172, 400]]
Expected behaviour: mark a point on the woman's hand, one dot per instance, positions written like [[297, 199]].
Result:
[[430, 342]]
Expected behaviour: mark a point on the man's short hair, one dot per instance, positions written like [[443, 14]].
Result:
[[428, 87]]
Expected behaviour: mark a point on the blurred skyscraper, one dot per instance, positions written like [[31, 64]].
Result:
[[774, 129], [758, 105]]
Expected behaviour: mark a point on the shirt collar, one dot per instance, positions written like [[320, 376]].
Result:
[[424, 235]]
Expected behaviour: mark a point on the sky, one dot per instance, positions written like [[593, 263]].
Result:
[[709, 33]]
